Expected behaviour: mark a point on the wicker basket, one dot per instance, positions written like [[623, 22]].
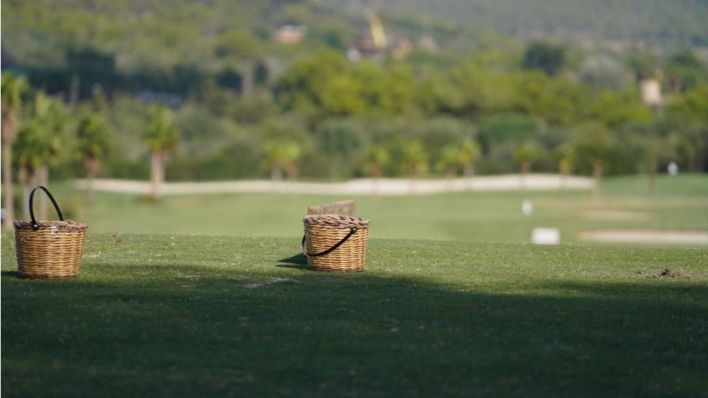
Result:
[[335, 242], [48, 249]]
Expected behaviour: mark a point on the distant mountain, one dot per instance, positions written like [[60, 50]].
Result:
[[665, 22]]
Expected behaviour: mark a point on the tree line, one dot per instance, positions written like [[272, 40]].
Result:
[[327, 117]]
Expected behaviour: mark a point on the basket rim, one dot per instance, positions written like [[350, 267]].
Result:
[[336, 220], [66, 225]]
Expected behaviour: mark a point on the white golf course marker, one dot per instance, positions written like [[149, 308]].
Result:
[[545, 236]]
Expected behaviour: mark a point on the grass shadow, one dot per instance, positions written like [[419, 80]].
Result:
[[195, 331], [298, 261]]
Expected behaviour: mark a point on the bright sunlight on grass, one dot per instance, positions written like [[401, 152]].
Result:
[[680, 203]]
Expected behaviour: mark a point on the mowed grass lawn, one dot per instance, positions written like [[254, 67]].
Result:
[[207, 296], [680, 203], [185, 316]]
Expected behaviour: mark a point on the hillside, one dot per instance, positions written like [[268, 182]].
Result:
[[334, 88], [152, 32], [681, 22]]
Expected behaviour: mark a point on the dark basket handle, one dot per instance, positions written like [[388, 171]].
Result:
[[352, 231], [35, 226]]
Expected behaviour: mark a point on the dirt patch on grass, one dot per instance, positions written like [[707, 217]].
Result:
[[646, 236]]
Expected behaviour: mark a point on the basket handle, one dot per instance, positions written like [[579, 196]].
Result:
[[352, 231], [35, 225]]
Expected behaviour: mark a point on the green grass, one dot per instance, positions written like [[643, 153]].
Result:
[[174, 315], [683, 186], [474, 311], [680, 203]]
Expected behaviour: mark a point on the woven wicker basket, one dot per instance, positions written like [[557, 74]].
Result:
[[335, 242], [48, 249]]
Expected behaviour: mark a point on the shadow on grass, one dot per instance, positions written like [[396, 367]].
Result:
[[191, 331], [298, 261]]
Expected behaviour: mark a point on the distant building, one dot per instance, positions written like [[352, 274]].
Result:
[[400, 48], [428, 43], [378, 36], [651, 92], [353, 54], [376, 43], [290, 33]]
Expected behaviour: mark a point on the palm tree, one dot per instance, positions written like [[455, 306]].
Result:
[[593, 143], [94, 142], [524, 155], [376, 159], [12, 89], [51, 113], [273, 160], [415, 161], [467, 156], [28, 158], [565, 163], [291, 152], [449, 160], [161, 138], [282, 155], [39, 142]]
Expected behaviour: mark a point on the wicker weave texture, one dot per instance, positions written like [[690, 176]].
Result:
[[343, 207], [322, 232], [52, 251]]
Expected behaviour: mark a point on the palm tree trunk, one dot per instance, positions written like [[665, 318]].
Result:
[[74, 86], [44, 181], [652, 176], [22, 177], [91, 164], [291, 171], [275, 173], [449, 174], [468, 171], [27, 178], [652, 182], [376, 180], [90, 185], [7, 196], [156, 174], [247, 83], [525, 167], [563, 179], [563, 175], [412, 182], [597, 171]]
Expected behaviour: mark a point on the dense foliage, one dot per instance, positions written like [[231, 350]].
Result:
[[245, 105]]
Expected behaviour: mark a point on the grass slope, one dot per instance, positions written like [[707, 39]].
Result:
[[175, 316]]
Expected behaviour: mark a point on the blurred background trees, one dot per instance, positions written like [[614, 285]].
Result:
[[94, 142], [161, 138], [12, 89], [304, 89]]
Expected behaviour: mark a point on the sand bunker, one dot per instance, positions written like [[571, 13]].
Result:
[[646, 236], [384, 186]]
